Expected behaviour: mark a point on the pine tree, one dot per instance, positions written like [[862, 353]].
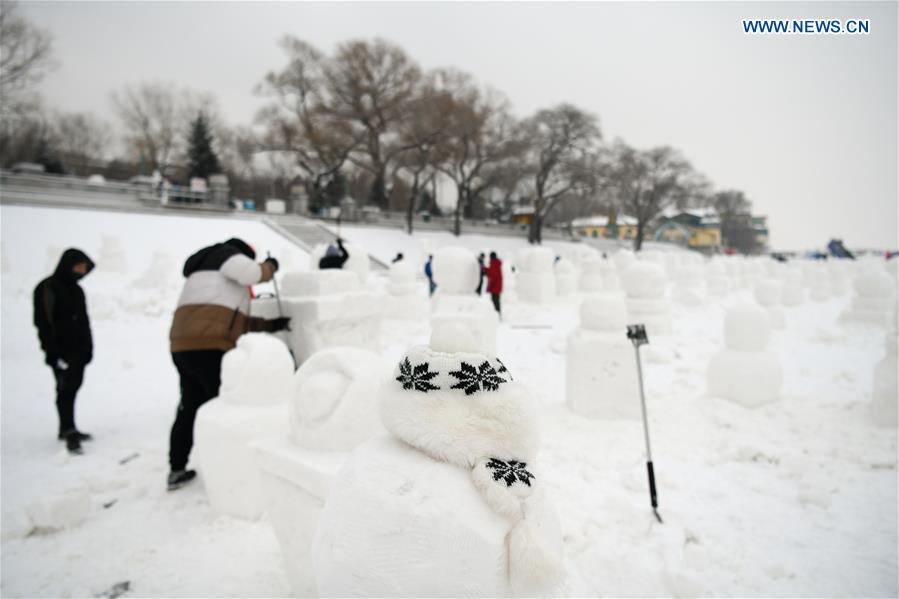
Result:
[[203, 161]]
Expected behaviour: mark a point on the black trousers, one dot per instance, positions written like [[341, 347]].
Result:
[[68, 382], [495, 298], [200, 373]]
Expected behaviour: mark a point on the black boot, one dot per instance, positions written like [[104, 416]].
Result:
[[179, 478], [73, 443], [81, 436]]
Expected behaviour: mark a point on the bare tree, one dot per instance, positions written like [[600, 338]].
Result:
[[25, 56], [481, 138], [299, 121], [371, 85], [648, 182], [562, 141], [151, 115], [81, 140], [421, 134]]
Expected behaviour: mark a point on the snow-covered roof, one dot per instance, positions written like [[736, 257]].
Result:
[[602, 221], [519, 210]]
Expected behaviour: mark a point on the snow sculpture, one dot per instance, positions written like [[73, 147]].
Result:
[[885, 393], [644, 284], [358, 262], [839, 278], [456, 274], [793, 291], [251, 405], [718, 281], [600, 363], [332, 410], [744, 372], [406, 296], [875, 297], [817, 279], [450, 504], [610, 279], [159, 273], [566, 277], [592, 274], [536, 283], [689, 286], [769, 294], [112, 255], [328, 308]]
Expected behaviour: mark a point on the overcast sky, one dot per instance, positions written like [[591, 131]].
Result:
[[806, 125]]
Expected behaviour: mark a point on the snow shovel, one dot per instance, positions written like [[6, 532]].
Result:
[[637, 334]]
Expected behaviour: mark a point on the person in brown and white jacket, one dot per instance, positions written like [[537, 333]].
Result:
[[213, 311]]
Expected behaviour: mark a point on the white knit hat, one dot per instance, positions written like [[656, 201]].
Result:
[[462, 407]]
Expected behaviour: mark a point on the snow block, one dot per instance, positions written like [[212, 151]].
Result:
[[111, 257], [256, 381], [223, 433], [875, 297], [689, 286], [601, 368], [885, 393], [400, 524], [333, 405], [257, 371], [536, 282], [456, 271], [750, 378], [317, 283], [644, 280], [295, 485], [747, 327], [350, 319], [645, 283], [744, 372], [566, 277], [473, 313], [406, 297]]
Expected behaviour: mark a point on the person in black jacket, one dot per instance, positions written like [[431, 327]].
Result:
[[60, 315], [335, 256]]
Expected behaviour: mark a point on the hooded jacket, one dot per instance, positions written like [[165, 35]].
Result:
[[214, 307], [335, 257], [60, 312]]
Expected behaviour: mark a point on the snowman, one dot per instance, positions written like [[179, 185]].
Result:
[[449, 503]]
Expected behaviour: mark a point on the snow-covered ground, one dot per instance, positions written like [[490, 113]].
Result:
[[795, 498]]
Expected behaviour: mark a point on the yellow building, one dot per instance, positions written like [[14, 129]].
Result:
[[623, 227], [697, 229]]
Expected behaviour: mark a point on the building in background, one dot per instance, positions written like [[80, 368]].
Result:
[[605, 227], [698, 229]]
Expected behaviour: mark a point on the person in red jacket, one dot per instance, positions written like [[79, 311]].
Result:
[[494, 272]]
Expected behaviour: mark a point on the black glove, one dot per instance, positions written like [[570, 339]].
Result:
[[279, 324], [273, 262]]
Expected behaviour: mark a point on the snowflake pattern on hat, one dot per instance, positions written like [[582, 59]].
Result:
[[417, 378], [473, 379], [510, 472]]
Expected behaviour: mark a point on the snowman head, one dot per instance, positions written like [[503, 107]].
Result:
[[457, 404]]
